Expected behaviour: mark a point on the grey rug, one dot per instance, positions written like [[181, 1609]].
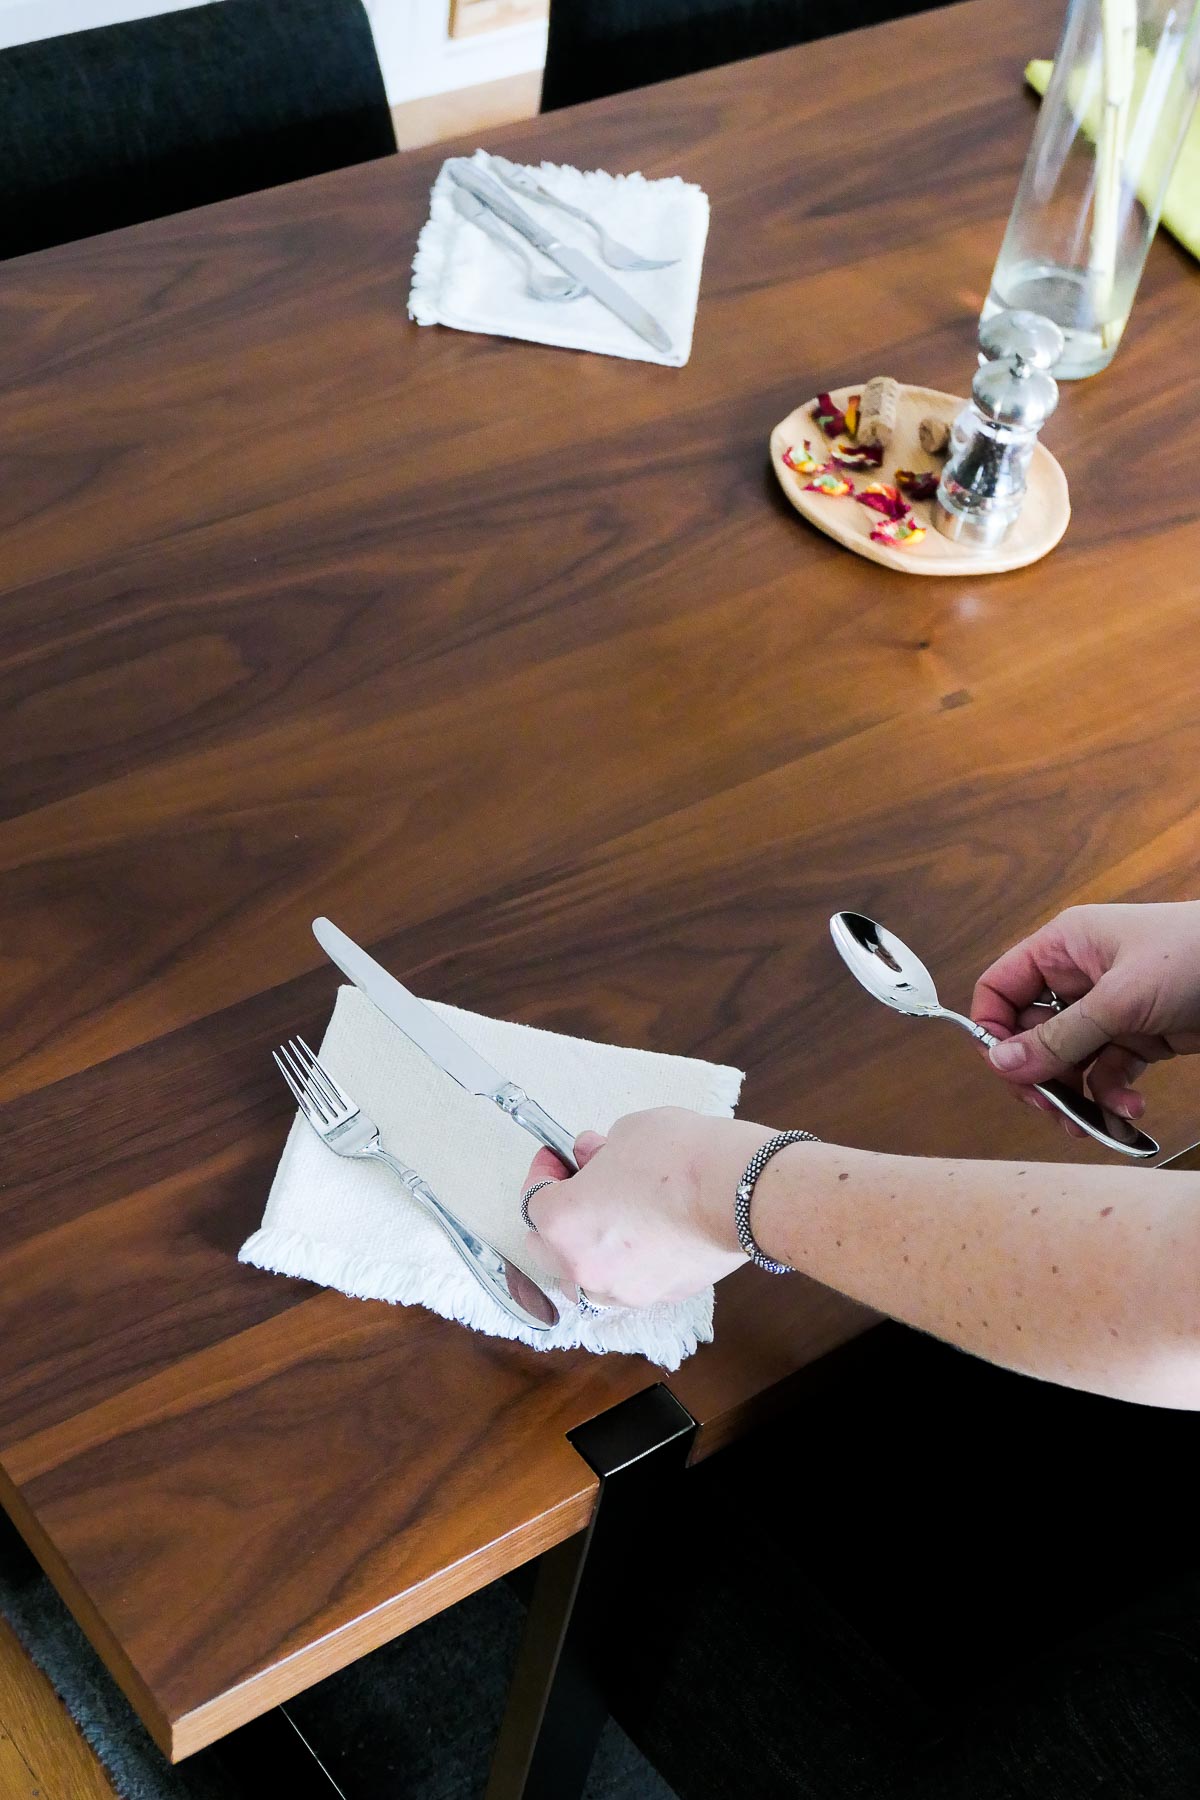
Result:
[[415, 1720]]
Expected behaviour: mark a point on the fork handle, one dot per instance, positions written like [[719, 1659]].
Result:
[[491, 1270], [522, 182]]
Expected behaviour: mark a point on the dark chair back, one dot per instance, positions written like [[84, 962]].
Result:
[[601, 47], [105, 128]]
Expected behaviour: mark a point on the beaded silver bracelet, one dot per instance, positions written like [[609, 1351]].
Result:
[[745, 1193]]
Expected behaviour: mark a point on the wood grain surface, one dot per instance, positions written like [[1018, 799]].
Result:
[[518, 664], [42, 1755]]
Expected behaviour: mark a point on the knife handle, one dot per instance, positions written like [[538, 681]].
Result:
[[486, 188], [537, 1122]]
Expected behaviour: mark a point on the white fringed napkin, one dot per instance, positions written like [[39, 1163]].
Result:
[[463, 278], [352, 1226]]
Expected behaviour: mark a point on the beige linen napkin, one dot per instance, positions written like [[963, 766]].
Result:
[[352, 1226]]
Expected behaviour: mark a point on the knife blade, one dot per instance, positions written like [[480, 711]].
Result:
[[602, 287], [440, 1042]]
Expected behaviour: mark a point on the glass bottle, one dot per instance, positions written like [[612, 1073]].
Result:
[[1116, 112]]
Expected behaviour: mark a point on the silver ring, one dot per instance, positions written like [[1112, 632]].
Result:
[[527, 1196], [585, 1305]]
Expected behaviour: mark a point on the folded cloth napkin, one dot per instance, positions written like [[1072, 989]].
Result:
[[353, 1226], [1181, 206], [462, 277]]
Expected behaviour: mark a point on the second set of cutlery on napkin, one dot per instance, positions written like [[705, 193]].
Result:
[[585, 260], [497, 201]]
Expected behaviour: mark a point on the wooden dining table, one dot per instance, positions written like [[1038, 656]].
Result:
[[516, 663]]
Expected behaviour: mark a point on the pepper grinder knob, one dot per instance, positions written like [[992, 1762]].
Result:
[[1027, 335], [982, 488]]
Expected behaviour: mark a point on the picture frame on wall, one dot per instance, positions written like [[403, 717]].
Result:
[[469, 17]]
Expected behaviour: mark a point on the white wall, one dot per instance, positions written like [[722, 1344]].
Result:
[[415, 53], [23, 20]]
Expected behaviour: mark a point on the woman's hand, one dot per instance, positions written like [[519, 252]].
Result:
[[1129, 981], [649, 1216]]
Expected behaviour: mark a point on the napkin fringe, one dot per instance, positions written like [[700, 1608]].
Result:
[[364, 1277], [724, 1092], [428, 266], [446, 1293]]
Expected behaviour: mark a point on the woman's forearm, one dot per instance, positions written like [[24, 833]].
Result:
[[1085, 1276]]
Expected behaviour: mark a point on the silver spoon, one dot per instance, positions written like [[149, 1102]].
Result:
[[616, 255], [889, 971], [539, 285]]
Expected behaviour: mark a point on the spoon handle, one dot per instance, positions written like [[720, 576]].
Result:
[[1084, 1111], [1090, 1118]]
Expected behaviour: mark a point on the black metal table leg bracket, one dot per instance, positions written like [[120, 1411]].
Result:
[[589, 1593]]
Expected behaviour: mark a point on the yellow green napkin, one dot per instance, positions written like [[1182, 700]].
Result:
[[1181, 208]]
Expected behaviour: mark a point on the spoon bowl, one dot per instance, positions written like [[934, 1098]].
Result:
[[887, 968], [538, 284]]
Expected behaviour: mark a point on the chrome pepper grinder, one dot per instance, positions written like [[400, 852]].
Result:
[[982, 489]]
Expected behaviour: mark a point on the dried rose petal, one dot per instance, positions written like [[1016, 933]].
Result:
[[858, 456], [883, 499], [829, 484], [804, 462], [829, 417], [851, 425], [898, 532], [918, 484]]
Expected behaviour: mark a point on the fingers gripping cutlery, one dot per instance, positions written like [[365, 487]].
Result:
[[890, 971]]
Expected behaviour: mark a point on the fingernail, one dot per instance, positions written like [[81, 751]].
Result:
[[1009, 1055], [1132, 1106]]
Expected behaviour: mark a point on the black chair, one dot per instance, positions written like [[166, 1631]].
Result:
[[105, 128], [599, 47]]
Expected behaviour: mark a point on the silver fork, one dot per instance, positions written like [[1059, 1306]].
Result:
[[616, 255], [345, 1128]]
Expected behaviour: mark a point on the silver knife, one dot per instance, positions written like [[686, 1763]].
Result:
[[602, 287], [439, 1042]]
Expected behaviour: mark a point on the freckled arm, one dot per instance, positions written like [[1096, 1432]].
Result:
[[1084, 1276]]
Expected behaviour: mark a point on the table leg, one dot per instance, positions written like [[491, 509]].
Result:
[[589, 1590]]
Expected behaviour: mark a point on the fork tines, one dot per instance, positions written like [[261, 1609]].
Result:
[[313, 1087]]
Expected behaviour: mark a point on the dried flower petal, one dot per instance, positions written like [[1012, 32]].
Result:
[[858, 456], [829, 484], [829, 417], [804, 462], [918, 484], [898, 532], [852, 407], [883, 499]]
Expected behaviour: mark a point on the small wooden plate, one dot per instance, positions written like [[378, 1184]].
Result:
[[1044, 516]]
